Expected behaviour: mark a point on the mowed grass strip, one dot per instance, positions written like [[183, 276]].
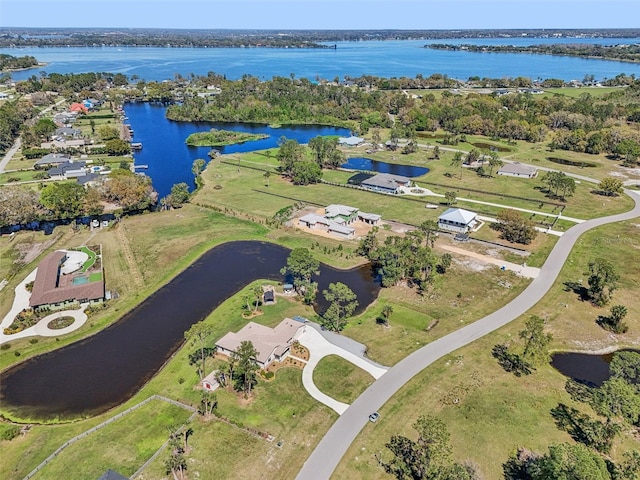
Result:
[[123, 445], [340, 379]]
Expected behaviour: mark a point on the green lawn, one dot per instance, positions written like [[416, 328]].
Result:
[[341, 379], [95, 277], [118, 446], [90, 261]]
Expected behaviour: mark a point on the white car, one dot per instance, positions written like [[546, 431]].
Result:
[[373, 417]]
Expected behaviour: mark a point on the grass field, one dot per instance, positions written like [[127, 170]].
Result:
[[491, 413], [341, 379], [117, 446]]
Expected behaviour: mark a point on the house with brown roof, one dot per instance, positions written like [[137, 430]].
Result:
[[54, 289], [272, 344]]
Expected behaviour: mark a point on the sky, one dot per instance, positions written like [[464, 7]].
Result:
[[322, 14]]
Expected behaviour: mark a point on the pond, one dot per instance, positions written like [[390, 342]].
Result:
[[104, 370], [573, 163], [168, 157], [584, 367], [369, 165]]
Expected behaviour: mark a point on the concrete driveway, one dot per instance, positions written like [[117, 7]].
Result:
[[319, 347]]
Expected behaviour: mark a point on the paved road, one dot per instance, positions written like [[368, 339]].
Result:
[[9, 155], [328, 453]]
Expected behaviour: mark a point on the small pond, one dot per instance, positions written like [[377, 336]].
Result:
[[488, 146], [369, 165], [583, 367], [572, 163]]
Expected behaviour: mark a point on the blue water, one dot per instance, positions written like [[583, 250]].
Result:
[[391, 58], [366, 164], [170, 159]]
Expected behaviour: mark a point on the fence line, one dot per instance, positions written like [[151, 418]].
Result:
[[104, 424]]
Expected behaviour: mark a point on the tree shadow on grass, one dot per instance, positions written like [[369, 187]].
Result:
[[578, 289]]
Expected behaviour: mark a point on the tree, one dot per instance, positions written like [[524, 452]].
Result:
[[564, 461], [257, 292], [494, 161], [179, 195], [450, 197], [617, 398], [436, 152], [301, 266], [583, 429], [610, 186], [246, 366], [19, 205], [305, 172], [514, 227], [457, 161], [602, 281], [375, 138], [289, 153], [536, 342], [626, 365], [44, 127], [426, 458], [208, 402], [176, 464], [387, 310], [107, 132], [266, 176], [92, 204], [130, 191], [368, 243], [430, 230], [614, 321], [445, 263], [64, 200], [117, 147], [197, 168], [510, 362], [343, 303], [198, 335]]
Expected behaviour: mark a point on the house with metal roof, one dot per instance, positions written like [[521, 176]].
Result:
[[517, 169], [458, 220], [52, 159], [350, 141], [272, 344], [68, 170], [386, 183]]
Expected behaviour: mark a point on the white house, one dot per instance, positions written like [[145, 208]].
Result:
[[350, 141], [458, 220], [517, 169]]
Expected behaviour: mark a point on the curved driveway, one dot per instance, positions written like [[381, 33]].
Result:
[[328, 453]]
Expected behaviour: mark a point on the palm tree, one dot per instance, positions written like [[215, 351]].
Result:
[[456, 161], [387, 310], [266, 176]]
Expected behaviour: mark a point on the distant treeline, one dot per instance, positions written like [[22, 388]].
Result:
[[43, 37], [623, 53], [9, 62]]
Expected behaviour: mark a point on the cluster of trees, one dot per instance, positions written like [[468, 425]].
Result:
[[513, 227], [10, 62], [68, 200], [13, 115], [295, 164], [301, 265], [559, 184], [428, 457], [628, 53], [342, 303], [407, 259]]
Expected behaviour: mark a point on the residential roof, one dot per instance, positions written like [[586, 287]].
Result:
[[52, 287], [458, 215], [265, 340], [350, 141], [52, 158], [269, 296], [68, 131], [386, 180], [374, 217], [313, 218], [517, 168], [336, 209], [63, 168], [343, 229], [112, 475], [89, 177]]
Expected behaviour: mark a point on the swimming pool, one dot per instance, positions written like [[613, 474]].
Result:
[[80, 280]]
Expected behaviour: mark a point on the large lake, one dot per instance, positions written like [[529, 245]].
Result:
[[170, 159], [391, 58]]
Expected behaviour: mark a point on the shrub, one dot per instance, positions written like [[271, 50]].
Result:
[[9, 432]]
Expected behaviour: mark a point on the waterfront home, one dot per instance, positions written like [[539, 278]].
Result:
[[272, 344], [67, 132], [517, 169], [458, 220], [57, 283], [67, 170], [386, 183]]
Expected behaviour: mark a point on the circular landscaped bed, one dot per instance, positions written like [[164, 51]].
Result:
[[60, 323]]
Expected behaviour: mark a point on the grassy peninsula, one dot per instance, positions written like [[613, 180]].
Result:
[[219, 138]]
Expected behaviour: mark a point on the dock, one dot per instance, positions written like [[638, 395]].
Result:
[[136, 145]]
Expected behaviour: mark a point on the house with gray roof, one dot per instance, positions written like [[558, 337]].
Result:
[[350, 141], [272, 344], [458, 220], [52, 159], [386, 183], [68, 132], [70, 169], [341, 213], [517, 169]]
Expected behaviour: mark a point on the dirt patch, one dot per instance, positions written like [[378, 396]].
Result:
[[30, 251]]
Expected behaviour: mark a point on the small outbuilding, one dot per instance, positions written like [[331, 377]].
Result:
[[269, 297]]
